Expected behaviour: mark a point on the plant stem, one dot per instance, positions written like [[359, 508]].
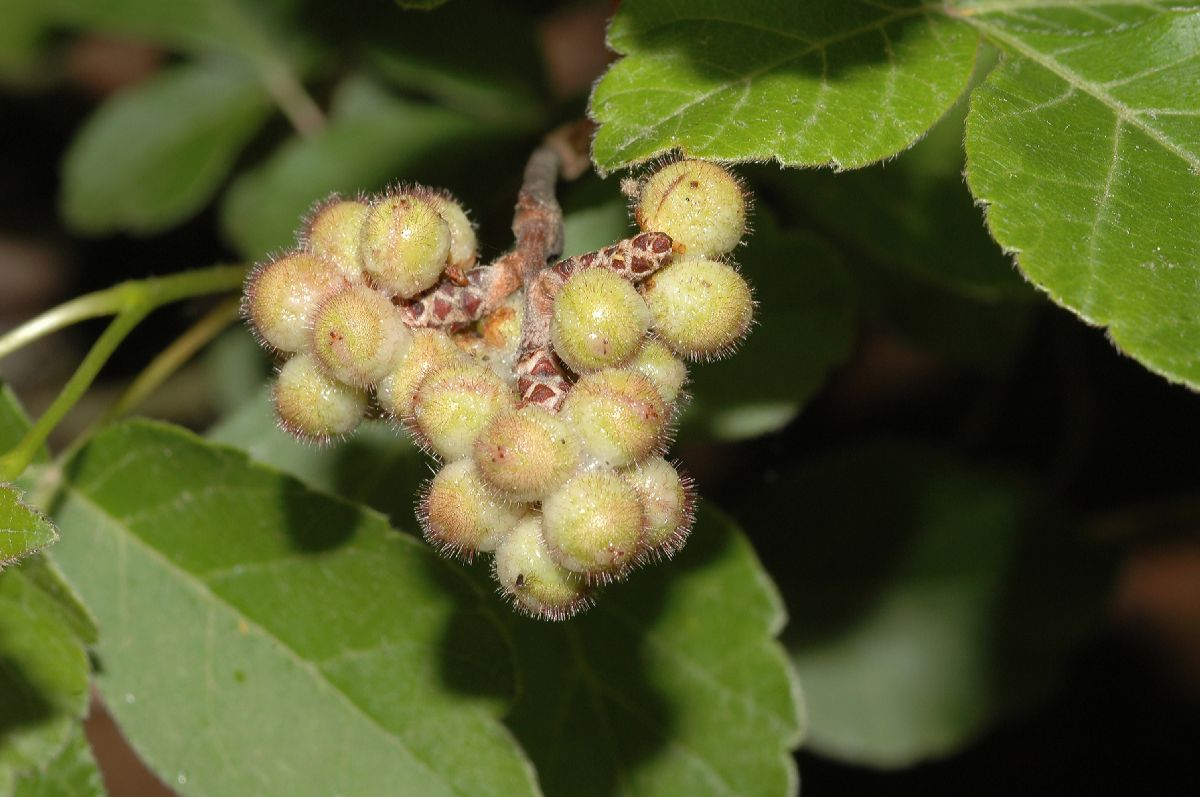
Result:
[[293, 99], [160, 290], [93, 305], [172, 358], [132, 302], [13, 463]]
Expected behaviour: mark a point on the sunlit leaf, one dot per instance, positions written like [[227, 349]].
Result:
[[828, 83], [1084, 144]]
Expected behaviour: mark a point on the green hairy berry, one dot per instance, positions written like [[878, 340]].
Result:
[[282, 297], [453, 405], [699, 204], [461, 515], [702, 308], [430, 350], [335, 231], [313, 407], [405, 243], [666, 503], [599, 321], [526, 453], [529, 577], [618, 414], [462, 233], [357, 335], [593, 525], [659, 364]]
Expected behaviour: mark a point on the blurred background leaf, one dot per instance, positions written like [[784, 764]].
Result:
[[928, 598], [156, 153], [372, 138]]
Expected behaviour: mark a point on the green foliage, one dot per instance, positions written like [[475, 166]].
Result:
[[921, 615], [668, 686], [250, 28], [1085, 151], [155, 154], [371, 136], [675, 682], [43, 666], [260, 621], [23, 529], [1087, 155], [44, 680], [233, 598], [71, 773], [830, 83]]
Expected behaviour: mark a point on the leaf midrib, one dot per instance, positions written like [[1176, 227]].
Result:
[[198, 585], [1119, 109]]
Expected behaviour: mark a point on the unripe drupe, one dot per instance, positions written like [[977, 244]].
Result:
[[618, 414], [599, 320], [593, 525], [311, 406], [699, 204], [455, 404], [526, 453], [357, 336], [532, 580], [335, 231], [702, 309], [405, 243], [462, 232], [282, 296], [461, 515], [658, 364], [666, 502], [431, 350]]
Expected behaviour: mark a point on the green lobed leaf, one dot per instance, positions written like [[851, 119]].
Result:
[[913, 214], [43, 665], [922, 615], [260, 637], [43, 678], [71, 773], [1084, 145], [829, 82], [376, 465], [23, 529], [672, 684], [372, 138], [689, 645], [157, 152]]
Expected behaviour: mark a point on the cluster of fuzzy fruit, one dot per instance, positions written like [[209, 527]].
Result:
[[551, 417]]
